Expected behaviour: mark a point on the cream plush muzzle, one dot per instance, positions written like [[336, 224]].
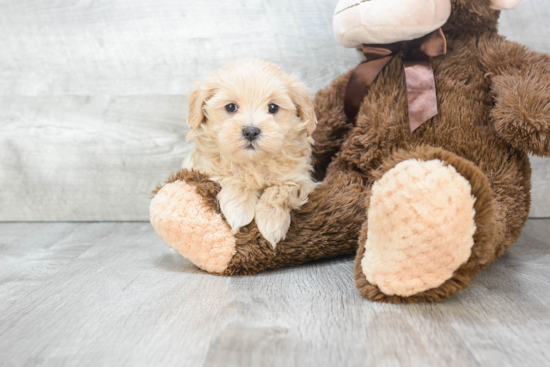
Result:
[[358, 22], [387, 21], [504, 4]]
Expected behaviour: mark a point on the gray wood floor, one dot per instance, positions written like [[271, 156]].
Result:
[[112, 294]]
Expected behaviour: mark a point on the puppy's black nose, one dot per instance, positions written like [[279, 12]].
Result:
[[251, 133]]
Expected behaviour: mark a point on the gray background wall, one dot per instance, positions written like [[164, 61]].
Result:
[[93, 94]]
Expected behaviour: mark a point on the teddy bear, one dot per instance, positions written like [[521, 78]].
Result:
[[422, 158]]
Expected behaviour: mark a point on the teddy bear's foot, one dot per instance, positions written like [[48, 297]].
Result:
[[423, 224], [421, 227], [185, 214]]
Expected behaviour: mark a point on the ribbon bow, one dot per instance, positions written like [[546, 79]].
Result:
[[419, 75]]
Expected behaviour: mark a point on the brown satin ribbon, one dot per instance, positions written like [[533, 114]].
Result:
[[421, 94]]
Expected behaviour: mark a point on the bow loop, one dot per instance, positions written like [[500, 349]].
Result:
[[434, 44], [421, 93], [375, 52]]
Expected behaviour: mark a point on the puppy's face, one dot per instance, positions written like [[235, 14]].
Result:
[[251, 110]]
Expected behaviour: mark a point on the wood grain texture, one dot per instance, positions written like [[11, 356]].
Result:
[[91, 158], [112, 294], [93, 94]]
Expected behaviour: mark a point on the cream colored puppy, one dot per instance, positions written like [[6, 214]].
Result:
[[252, 125]]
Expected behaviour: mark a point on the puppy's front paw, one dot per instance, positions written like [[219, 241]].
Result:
[[237, 206], [273, 221]]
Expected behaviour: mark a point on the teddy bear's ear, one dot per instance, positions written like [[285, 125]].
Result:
[[197, 99], [504, 4]]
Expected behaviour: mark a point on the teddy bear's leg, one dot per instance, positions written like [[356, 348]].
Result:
[[186, 214], [326, 226], [431, 227]]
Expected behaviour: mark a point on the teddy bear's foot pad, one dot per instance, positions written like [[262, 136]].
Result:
[[421, 227], [181, 218]]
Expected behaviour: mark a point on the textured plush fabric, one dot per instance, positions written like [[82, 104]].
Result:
[[483, 251], [182, 218], [421, 217]]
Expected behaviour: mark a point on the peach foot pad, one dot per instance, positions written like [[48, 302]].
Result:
[[194, 230], [420, 227]]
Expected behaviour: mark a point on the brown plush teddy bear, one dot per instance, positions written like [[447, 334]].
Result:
[[426, 202]]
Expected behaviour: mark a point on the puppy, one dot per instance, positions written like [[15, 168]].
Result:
[[252, 125]]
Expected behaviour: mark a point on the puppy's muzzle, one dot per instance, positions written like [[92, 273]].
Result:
[[251, 133]]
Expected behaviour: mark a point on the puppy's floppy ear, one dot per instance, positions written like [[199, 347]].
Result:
[[196, 116], [304, 104]]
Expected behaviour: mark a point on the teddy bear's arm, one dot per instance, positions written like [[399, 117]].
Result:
[[520, 82], [332, 123]]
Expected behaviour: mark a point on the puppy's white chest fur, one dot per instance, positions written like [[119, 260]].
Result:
[[256, 191], [259, 192]]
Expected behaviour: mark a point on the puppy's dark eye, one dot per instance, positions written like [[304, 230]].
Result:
[[232, 107], [272, 108]]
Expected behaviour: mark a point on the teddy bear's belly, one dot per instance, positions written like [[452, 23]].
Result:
[[462, 126]]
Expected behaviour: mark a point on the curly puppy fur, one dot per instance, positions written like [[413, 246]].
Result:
[[268, 174]]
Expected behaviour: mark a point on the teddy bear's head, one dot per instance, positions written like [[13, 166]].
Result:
[[358, 22], [476, 16]]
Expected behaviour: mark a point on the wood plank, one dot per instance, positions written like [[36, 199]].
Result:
[[87, 158], [159, 46], [93, 294], [93, 94], [526, 24]]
